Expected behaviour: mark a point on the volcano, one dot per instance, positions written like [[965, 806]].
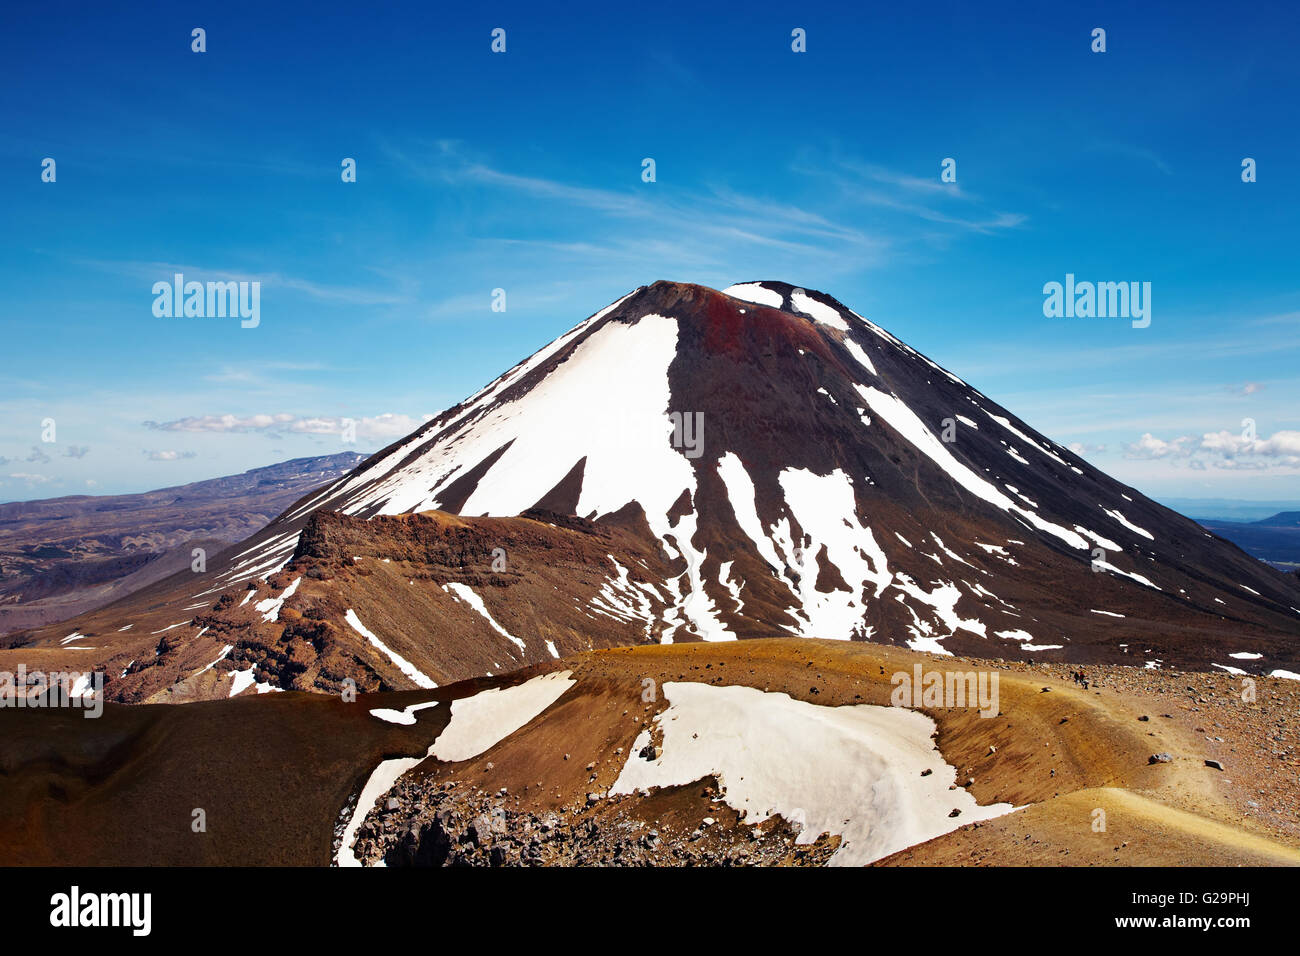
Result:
[[690, 464]]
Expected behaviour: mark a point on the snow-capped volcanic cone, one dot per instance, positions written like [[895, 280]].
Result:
[[764, 461]]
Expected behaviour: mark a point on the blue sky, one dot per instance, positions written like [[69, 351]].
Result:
[[522, 171]]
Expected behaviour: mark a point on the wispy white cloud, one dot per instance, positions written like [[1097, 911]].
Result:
[[31, 479], [995, 357], [1282, 318], [1222, 449], [385, 426], [168, 455], [265, 373], [697, 222], [1129, 151], [915, 197]]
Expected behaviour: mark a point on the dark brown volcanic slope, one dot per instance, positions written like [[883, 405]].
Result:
[[414, 579], [271, 775], [829, 482], [60, 557]]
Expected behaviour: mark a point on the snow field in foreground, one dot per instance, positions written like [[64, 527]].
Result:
[[477, 724], [854, 771]]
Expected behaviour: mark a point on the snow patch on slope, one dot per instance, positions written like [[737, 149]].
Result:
[[401, 663], [1128, 524], [696, 604], [270, 608], [818, 310], [465, 593], [854, 771], [753, 292], [906, 423], [478, 723], [607, 402], [740, 492], [404, 716], [859, 353], [826, 509]]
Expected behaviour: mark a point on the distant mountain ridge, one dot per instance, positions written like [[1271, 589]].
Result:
[[64, 556], [1275, 539], [1283, 519], [1229, 509]]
